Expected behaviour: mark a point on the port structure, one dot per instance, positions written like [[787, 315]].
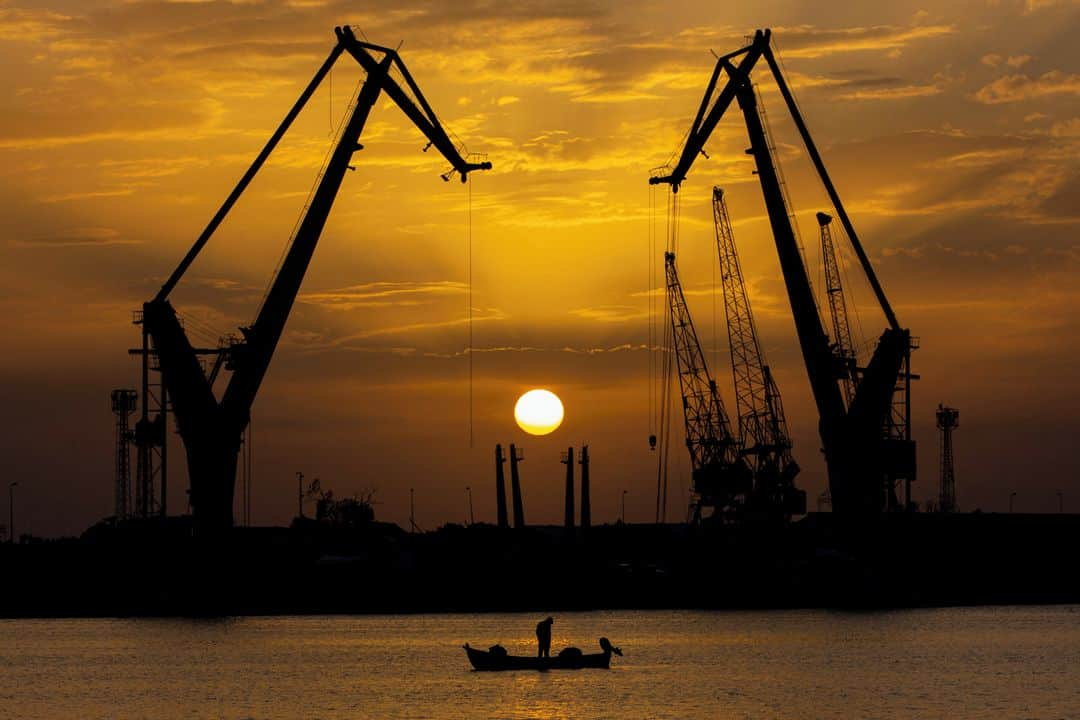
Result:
[[948, 419], [586, 494], [867, 443], [567, 459], [763, 433], [720, 477], [517, 455], [212, 430], [124, 402], [500, 488]]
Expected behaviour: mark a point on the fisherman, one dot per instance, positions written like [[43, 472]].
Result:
[[543, 637]]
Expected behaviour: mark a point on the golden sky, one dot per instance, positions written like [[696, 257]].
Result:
[[951, 129]]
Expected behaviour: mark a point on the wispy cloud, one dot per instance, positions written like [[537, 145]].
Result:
[[1031, 6], [383, 294], [77, 237], [1014, 88], [566, 349], [809, 41], [22, 25], [88, 195], [610, 313]]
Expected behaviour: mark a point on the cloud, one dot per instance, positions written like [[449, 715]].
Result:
[[977, 158], [1068, 129], [77, 237], [610, 313], [1031, 6], [20, 25], [383, 294], [1014, 88], [566, 349], [88, 195], [899, 92], [809, 41], [480, 315]]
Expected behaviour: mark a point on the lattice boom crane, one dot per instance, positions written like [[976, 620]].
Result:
[[763, 431], [720, 476]]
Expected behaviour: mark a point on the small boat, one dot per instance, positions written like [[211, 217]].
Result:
[[568, 659]]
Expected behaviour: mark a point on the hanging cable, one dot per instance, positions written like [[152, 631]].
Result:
[[251, 472], [650, 286], [667, 363], [715, 264], [469, 350], [665, 422], [845, 250]]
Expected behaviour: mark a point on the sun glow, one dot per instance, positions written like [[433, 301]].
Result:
[[538, 412]]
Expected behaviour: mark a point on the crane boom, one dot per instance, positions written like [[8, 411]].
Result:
[[762, 425], [718, 472], [211, 431], [708, 117]]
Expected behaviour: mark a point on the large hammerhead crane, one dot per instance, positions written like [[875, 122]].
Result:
[[720, 477], [867, 443], [763, 432], [211, 430]]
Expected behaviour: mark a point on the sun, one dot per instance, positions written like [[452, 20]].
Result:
[[538, 412]]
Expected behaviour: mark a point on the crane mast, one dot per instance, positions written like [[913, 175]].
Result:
[[763, 432], [212, 430], [867, 441], [843, 346], [719, 474]]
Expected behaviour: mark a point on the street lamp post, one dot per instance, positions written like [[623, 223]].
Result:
[[11, 512], [468, 491], [1011, 496], [412, 510], [622, 513], [300, 494], [1061, 501]]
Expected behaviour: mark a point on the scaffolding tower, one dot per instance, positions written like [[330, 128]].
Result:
[[948, 419], [151, 467], [124, 402]]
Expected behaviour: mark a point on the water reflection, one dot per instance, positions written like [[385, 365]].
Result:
[[963, 663]]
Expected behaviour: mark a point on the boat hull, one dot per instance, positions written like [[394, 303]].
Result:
[[487, 662]]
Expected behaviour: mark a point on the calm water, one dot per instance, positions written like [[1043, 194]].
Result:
[[954, 663]]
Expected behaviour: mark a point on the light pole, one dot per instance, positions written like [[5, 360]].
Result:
[[468, 491], [412, 510], [300, 494], [622, 513], [1011, 496], [1061, 501], [11, 512]]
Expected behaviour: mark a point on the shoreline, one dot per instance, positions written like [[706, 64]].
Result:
[[897, 562]]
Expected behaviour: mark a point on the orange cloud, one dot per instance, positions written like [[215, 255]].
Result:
[[1014, 88]]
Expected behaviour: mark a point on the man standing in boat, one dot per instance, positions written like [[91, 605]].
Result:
[[543, 637]]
